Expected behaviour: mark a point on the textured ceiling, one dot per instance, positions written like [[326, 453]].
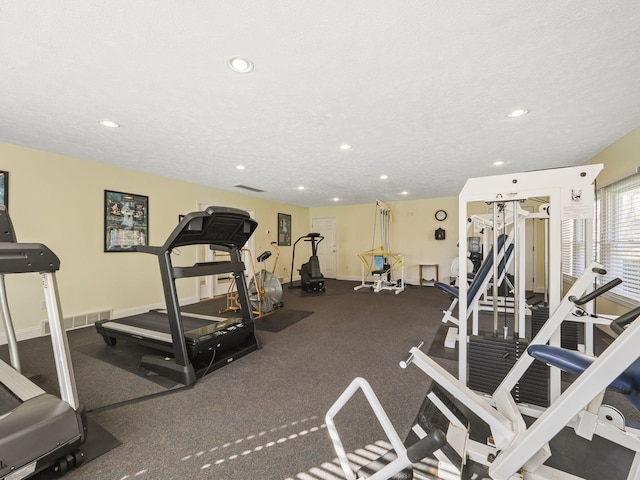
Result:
[[421, 89]]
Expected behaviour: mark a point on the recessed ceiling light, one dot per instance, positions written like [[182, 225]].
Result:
[[497, 163], [345, 146], [240, 65], [301, 187], [404, 193], [384, 177], [109, 124], [518, 113], [240, 167]]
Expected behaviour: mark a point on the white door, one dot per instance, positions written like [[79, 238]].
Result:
[[327, 251], [215, 285]]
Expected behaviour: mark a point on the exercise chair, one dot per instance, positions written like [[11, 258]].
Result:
[[381, 264]]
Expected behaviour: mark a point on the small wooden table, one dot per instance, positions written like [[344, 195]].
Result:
[[426, 266]]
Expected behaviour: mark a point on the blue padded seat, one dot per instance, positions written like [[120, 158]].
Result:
[[575, 362]]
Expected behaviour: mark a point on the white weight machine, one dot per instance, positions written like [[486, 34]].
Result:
[[515, 449], [380, 262], [521, 451], [570, 194]]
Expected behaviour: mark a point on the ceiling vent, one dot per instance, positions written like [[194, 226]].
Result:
[[252, 189]]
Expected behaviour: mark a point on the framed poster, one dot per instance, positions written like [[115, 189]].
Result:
[[126, 221], [4, 188], [284, 229]]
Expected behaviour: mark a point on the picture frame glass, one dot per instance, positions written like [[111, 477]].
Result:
[[284, 229], [4, 188], [126, 221]]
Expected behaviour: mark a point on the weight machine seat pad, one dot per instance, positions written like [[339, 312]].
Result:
[[576, 362], [446, 288], [480, 275]]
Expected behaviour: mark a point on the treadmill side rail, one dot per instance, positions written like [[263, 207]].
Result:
[[33, 429], [21, 386]]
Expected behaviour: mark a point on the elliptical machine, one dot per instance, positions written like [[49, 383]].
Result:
[[311, 278]]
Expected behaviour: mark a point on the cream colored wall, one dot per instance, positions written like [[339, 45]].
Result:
[[620, 159], [58, 201], [412, 233]]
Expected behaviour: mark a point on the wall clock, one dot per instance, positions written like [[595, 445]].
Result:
[[441, 215]]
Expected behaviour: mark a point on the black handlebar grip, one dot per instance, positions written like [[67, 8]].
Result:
[[597, 292], [623, 320], [426, 446]]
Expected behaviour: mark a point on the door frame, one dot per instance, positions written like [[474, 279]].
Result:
[[333, 241]]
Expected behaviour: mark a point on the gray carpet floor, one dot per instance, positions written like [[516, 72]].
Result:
[[262, 416]]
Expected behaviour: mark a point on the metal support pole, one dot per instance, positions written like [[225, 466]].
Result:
[[495, 268], [12, 342], [62, 357], [516, 269]]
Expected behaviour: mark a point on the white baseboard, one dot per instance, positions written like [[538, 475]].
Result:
[[24, 334], [35, 332], [127, 312]]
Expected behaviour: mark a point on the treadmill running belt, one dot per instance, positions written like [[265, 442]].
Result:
[[159, 322]]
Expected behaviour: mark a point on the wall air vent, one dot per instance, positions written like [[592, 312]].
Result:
[[253, 189]]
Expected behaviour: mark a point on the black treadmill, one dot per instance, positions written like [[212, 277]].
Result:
[[196, 344], [38, 430]]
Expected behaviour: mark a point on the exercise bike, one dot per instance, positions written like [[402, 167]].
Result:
[[311, 278], [265, 290]]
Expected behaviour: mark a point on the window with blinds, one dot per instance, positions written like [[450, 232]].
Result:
[[573, 247], [616, 239]]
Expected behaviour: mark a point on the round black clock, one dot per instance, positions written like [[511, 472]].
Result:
[[441, 215]]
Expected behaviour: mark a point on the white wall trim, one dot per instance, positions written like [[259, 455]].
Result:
[[35, 332], [24, 334], [127, 312]]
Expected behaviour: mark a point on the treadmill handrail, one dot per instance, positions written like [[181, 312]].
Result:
[[27, 258], [205, 269]]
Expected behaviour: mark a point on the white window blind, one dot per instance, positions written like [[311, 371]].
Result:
[[573, 247], [618, 235]]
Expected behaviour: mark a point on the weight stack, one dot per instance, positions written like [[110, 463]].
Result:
[[568, 329], [491, 358]]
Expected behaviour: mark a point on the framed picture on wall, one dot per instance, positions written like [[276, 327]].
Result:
[[284, 229], [126, 221], [4, 188]]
